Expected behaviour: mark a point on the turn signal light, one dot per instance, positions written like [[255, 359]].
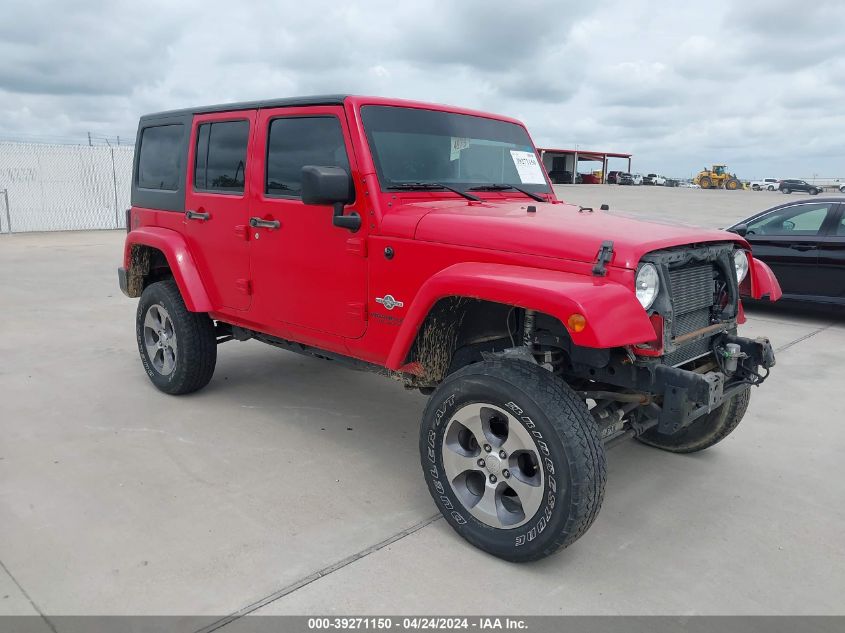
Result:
[[576, 322]]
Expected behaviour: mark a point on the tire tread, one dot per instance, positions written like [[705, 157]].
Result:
[[578, 433], [196, 339]]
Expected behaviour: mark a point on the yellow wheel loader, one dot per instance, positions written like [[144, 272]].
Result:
[[717, 178]]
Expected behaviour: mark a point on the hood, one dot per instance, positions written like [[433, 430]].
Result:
[[554, 230]]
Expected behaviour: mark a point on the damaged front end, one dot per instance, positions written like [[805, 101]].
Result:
[[696, 361]]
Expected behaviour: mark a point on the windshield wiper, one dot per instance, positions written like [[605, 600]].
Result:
[[408, 186], [504, 187]]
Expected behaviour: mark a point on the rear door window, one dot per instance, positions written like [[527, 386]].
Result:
[[221, 156], [158, 161]]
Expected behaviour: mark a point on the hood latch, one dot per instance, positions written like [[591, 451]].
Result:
[[603, 258]]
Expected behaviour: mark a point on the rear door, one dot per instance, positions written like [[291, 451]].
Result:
[[216, 214], [832, 257], [788, 240], [308, 273]]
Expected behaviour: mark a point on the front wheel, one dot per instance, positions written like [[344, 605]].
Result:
[[704, 432], [178, 348], [513, 459], [786, 190]]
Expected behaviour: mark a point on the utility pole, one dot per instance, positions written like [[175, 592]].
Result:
[[90, 144]]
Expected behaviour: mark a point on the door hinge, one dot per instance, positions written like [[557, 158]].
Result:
[[242, 231], [244, 286], [357, 246], [356, 310]]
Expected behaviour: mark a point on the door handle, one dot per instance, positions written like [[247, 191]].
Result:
[[197, 215], [258, 223], [804, 247]]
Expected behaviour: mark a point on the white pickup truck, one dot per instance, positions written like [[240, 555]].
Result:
[[767, 184]]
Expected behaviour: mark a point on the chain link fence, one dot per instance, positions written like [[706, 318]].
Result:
[[47, 187]]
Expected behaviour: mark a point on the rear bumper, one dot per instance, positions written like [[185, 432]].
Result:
[[688, 395], [122, 280]]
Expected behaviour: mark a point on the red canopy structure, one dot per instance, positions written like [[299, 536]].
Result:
[[563, 163]]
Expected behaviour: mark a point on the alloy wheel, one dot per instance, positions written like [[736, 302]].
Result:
[[160, 339], [493, 465]]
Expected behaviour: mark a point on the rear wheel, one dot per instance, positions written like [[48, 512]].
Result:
[[705, 431], [786, 190], [705, 182], [512, 458], [178, 348]]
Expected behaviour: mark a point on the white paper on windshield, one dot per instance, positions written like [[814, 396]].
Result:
[[528, 168], [458, 143]]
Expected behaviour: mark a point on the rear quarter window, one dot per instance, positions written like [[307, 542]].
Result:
[[158, 158]]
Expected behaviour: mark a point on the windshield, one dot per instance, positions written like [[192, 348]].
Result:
[[416, 146]]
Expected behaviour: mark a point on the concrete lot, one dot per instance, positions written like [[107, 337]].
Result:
[[701, 207], [295, 487]]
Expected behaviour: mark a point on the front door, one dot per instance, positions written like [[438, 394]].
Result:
[[216, 213], [307, 273], [832, 257], [787, 239]]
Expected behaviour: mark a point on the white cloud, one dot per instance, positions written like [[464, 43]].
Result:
[[754, 84]]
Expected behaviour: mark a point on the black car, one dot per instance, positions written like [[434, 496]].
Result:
[[788, 186], [804, 244], [612, 177]]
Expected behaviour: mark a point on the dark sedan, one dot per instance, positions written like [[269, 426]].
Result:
[[804, 244]]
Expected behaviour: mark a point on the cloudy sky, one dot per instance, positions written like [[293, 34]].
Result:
[[759, 85]]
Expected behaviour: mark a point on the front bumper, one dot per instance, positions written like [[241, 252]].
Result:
[[688, 395], [677, 396]]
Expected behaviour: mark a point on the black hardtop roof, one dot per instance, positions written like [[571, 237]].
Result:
[[252, 105]]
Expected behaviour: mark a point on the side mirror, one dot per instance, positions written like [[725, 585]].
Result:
[[330, 185], [740, 229]]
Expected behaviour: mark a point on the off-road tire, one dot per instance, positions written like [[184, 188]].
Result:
[[732, 184], [197, 343], [573, 463], [708, 430]]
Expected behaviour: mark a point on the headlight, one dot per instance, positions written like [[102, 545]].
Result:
[[740, 265], [647, 284]]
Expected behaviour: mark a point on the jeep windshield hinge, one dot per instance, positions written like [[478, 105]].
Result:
[[603, 258]]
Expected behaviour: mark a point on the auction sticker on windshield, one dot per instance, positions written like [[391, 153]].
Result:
[[458, 143], [528, 168]]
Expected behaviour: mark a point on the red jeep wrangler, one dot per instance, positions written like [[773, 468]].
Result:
[[425, 242]]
